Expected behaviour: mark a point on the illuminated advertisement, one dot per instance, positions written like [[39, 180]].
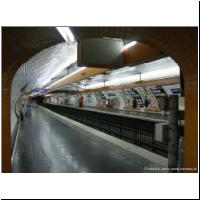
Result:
[[133, 93], [151, 97], [89, 98], [101, 99]]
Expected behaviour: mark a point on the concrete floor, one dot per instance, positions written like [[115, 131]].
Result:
[[45, 144]]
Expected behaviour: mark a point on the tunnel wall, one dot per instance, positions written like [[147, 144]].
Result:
[[90, 99]]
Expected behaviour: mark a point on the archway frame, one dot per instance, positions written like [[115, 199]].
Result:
[[179, 43]]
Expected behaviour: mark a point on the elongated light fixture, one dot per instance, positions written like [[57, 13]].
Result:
[[66, 33], [154, 75], [95, 86], [130, 44], [65, 77], [162, 73], [115, 82], [124, 80]]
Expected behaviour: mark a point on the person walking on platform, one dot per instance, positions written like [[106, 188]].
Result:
[[81, 101], [21, 112], [36, 105], [29, 110]]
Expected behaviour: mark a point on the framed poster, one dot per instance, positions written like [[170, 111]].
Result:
[[133, 93]]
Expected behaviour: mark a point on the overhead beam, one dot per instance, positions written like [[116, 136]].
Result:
[[141, 53], [79, 76], [167, 81]]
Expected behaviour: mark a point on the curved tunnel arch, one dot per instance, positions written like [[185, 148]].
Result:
[[178, 43], [37, 71]]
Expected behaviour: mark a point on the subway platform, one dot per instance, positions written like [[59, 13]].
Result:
[[45, 143]]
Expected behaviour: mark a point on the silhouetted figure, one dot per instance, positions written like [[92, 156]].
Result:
[[146, 102], [81, 101], [21, 113], [29, 110], [134, 103]]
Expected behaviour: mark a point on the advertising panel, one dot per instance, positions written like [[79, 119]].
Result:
[[133, 93]]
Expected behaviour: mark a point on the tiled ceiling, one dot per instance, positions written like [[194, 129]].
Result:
[[44, 66], [24, 42]]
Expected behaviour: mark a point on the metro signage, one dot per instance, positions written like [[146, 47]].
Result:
[[41, 90]]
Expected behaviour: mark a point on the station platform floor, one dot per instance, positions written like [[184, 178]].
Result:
[[45, 144]]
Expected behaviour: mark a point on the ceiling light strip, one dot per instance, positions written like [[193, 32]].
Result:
[[66, 77], [130, 44], [66, 33], [158, 74]]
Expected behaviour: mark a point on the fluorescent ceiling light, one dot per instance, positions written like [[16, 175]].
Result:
[[95, 86], [115, 82], [130, 44], [48, 95], [65, 77], [119, 70], [66, 33], [119, 81], [158, 74], [163, 73]]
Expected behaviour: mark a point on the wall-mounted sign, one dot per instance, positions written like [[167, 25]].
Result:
[[41, 90], [111, 94], [176, 91], [172, 89], [158, 91]]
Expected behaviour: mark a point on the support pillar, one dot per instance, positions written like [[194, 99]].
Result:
[[173, 133]]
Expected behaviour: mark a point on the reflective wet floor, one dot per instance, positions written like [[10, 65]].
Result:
[[45, 144]]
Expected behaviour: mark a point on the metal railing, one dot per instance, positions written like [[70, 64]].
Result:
[[137, 131]]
